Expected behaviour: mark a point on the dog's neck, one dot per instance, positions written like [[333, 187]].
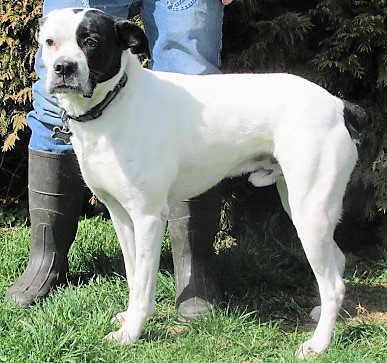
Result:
[[97, 110], [75, 104]]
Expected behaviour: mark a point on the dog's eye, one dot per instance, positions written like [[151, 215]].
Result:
[[90, 42], [49, 42]]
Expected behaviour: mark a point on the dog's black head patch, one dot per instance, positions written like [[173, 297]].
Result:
[[102, 39]]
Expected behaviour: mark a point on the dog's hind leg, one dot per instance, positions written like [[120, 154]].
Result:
[[316, 187], [340, 263], [316, 234], [339, 256], [315, 230]]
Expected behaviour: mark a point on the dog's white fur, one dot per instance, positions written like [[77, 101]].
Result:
[[168, 137]]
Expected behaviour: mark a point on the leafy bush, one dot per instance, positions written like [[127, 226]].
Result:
[[340, 44], [17, 48], [18, 22]]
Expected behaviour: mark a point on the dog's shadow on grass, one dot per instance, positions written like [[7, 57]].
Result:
[[88, 259], [262, 276], [271, 280], [100, 264]]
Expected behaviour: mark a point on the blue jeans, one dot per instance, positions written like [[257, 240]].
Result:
[[185, 36]]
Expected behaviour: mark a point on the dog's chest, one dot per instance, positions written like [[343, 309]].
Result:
[[98, 162]]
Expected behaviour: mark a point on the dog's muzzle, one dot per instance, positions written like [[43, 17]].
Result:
[[66, 77]]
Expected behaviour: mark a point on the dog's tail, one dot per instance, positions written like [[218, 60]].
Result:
[[355, 119]]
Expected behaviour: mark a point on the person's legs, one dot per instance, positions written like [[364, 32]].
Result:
[[56, 187], [184, 40], [186, 37]]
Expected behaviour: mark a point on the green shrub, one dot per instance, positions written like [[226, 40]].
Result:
[[17, 48], [340, 44]]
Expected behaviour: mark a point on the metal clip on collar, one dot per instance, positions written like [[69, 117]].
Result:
[[63, 133]]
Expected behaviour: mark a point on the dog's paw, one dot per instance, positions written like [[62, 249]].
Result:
[[315, 314], [309, 350], [120, 336], [120, 318]]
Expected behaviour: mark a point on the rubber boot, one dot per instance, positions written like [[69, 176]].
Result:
[[56, 191], [193, 226]]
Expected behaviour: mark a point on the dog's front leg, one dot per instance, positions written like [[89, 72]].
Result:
[[148, 231], [123, 226]]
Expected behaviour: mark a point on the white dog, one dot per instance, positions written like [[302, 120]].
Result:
[[146, 140]]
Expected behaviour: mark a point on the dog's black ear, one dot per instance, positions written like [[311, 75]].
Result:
[[131, 36]]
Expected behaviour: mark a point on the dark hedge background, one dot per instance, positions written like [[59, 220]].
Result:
[[340, 44]]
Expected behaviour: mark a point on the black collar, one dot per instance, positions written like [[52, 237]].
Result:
[[64, 133], [96, 111]]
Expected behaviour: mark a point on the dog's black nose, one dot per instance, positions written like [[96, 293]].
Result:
[[65, 67]]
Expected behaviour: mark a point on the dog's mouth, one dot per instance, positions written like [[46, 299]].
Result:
[[67, 86]]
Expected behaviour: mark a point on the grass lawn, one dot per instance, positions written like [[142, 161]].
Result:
[[268, 287]]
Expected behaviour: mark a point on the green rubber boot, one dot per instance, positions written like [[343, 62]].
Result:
[[193, 226], [56, 191]]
